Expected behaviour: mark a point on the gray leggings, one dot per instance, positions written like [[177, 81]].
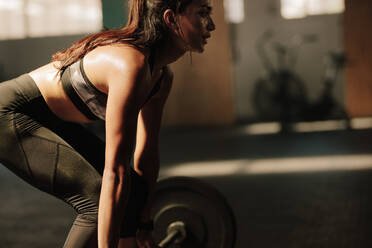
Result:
[[61, 158]]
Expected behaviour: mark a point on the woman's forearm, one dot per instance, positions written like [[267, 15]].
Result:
[[146, 210], [149, 169], [113, 198]]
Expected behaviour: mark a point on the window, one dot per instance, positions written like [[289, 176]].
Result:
[[234, 11], [301, 8], [35, 18]]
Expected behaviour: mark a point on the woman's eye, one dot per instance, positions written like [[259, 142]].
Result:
[[204, 13]]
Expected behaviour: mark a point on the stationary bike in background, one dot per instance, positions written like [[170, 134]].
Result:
[[281, 94]]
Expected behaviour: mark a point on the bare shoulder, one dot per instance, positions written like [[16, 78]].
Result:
[[109, 63], [119, 57]]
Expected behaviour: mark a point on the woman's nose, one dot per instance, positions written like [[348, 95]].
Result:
[[211, 25]]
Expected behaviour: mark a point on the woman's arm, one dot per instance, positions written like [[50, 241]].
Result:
[[146, 156], [126, 80]]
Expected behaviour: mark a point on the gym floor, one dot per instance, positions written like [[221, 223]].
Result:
[[308, 189]]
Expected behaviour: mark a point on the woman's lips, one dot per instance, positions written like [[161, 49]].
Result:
[[205, 38]]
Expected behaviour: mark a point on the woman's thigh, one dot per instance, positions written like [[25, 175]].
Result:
[[66, 162]]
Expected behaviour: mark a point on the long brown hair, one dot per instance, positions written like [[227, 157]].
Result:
[[145, 28]]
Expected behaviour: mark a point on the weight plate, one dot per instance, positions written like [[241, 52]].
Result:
[[209, 220]]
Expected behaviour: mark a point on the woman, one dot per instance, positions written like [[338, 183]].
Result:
[[120, 76]]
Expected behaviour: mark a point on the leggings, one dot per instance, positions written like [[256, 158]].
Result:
[[61, 158]]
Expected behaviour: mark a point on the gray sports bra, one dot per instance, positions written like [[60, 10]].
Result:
[[85, 96]]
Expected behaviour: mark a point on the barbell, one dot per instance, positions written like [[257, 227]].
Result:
[[189, 212]]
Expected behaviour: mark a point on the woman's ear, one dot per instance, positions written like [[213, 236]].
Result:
[[170, 20]]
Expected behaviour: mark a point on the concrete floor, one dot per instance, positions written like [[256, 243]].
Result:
[[293, 190]]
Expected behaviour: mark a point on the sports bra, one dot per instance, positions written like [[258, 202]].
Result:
[[85, 96]]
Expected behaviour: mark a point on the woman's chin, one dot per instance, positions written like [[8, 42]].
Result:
[[198, 49]]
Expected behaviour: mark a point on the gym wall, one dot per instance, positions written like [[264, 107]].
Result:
[[114, 13], [358, 40], [20, 56]]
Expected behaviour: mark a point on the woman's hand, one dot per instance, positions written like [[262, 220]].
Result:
[[145, 240]]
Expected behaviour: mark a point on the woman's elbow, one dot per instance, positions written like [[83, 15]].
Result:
[[115, 176]]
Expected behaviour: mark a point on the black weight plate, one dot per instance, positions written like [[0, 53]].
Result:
[[209, 220]]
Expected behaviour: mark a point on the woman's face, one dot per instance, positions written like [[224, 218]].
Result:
[[196, 25]]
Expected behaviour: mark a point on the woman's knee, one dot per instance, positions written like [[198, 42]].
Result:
[[83, 234]]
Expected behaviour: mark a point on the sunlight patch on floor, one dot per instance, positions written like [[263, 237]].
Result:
[[312, 126], [270, 166]]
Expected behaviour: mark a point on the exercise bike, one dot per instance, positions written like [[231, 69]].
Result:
[[281, 94]]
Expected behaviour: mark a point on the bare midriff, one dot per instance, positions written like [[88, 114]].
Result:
[[49, 83]]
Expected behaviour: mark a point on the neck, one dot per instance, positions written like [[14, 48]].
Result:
[[167, 53]]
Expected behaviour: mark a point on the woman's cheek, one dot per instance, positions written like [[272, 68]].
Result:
[[204, 22]]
